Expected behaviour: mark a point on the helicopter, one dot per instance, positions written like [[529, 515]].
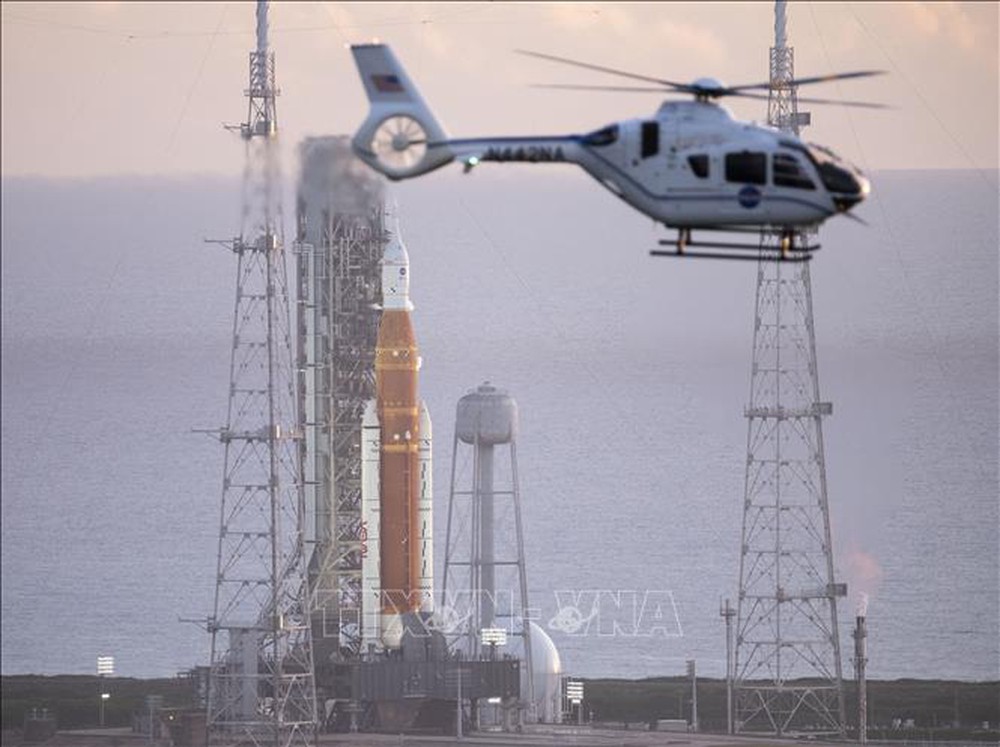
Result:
[[691, 166]]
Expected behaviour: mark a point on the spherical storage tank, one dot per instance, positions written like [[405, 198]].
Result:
[[489, 413], [547, 673]]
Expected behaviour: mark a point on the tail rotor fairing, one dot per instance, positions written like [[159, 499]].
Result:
[[399, 143]]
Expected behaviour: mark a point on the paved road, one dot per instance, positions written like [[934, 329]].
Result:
[[534, 736], [550, 736]]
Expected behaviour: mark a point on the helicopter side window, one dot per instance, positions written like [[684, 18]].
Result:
[[699, 165], [650, 139], [604, 136], [746, 167], [787, 172]]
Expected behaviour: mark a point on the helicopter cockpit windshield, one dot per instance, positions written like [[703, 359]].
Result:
[[846, 184]]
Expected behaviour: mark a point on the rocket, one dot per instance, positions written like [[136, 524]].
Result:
[[397, 567]]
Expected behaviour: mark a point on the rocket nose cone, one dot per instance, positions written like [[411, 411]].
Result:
[[395, 274]]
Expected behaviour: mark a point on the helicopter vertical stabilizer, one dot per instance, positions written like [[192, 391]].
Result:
[[400, 138]]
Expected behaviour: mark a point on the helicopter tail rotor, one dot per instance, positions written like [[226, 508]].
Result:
[[400, 137]]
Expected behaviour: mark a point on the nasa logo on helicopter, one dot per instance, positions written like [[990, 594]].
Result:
[[689, 166]]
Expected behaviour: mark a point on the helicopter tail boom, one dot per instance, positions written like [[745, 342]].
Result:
[[400, 137]]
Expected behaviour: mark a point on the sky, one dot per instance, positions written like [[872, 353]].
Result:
[[121, 88]]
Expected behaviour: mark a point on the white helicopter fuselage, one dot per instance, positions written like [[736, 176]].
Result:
[[673, 167], [691, 165]]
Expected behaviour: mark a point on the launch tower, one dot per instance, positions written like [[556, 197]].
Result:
[[339, 246], [787, 668], [261, 687]]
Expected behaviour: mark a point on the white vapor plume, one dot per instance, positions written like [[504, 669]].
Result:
[[864, 573], [862, 608]]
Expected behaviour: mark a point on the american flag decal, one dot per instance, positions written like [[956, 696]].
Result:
[[387, 84]]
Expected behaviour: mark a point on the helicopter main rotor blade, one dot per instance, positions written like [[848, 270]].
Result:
[[812, 100], [628, 89], [803, 81], [739, 94], [837, 102], [602, 69], [670, 86]]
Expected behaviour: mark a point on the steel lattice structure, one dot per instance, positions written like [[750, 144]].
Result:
[[484, 546], [787, 668], [261, 687], [340, 243], [341, 240]]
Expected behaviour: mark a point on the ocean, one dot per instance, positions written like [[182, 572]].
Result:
[[631, 374]]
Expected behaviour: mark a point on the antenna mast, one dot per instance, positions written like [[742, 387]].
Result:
[[261, 688], [787, 668]]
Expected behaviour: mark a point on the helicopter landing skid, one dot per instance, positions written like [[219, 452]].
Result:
[[784, 251]]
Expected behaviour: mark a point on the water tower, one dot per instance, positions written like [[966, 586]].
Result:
[[484, 587]]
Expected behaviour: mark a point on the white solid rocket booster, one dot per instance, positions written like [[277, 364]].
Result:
[[371, 569], [425, 520]]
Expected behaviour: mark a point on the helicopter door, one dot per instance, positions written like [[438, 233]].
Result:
[[746, 173], [644, 139], [647, 164], [649, 144], [746, 167]]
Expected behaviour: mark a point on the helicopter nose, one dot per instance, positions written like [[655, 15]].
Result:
[[855, 187], [864, 184]]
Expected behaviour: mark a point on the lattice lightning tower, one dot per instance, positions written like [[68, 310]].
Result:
[[261, 687], [787, 668]]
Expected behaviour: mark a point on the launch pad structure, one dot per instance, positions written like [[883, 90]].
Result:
[[373, 670], [787, 667], [290, 605]]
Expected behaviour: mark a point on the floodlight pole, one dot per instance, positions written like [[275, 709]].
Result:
[[105, 666], [458, 700], [727, 613], [693, 674]]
